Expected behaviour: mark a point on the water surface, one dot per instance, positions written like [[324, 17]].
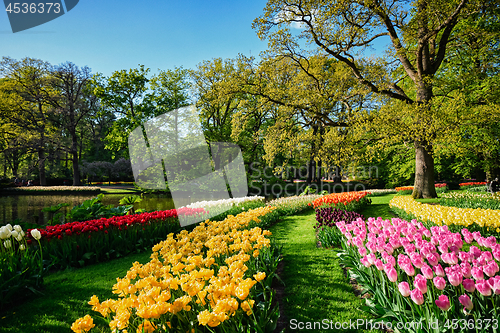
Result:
[[28, 208]]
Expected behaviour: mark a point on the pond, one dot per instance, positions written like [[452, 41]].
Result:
[[28, 208]]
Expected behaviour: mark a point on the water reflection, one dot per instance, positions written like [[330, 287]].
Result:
[[29, 207]]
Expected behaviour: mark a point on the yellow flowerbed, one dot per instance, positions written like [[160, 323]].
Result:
[[464, 217], [194, 278]]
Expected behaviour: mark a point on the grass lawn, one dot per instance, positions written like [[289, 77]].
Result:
[[315, 285], [379, 207], [65, 298]]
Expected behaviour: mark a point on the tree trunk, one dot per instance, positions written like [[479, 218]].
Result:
[[74, 153], [424, 159], [424, 172], [41, 167]]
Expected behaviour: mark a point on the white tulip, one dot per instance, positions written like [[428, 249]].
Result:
[[14, 233], [18, 228], [4, 233], [36, 234], [19, 237], [22, 247], [8, 226], [7, 243]]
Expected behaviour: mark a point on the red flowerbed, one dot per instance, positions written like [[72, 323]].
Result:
[[346, 200], [80, 243]]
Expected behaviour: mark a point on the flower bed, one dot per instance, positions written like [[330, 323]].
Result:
[[346, 200], [441, 188], [293, 205], [470, 200], [374, 193], [53, 188], [79, 243], [216, 277], [326, 230], [486, 221], [420, 275], [402, 190], [220, 209], [467, 185], [21, 266]]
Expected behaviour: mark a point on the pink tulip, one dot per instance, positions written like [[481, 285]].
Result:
[[466, 302], [491, 268], [420, 283], [417, 296], [379, 264], [483, 287], [455, 278], [388, 248], [392, 275], [466, 269], [417, 260], [477, 273], [404, 288], [487, 256], [409, 269], [491, 242], [439, 270], [469, 285], [427, 272], [475, 252], [362, 251], [443, 302], [390, 260], [433, 259], [496, 254], [495, 284], [464, 256], [450, 258], [365, 262], [439, 282], [467, 235], [371, 258]]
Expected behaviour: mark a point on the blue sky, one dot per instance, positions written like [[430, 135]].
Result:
[[110, 35]]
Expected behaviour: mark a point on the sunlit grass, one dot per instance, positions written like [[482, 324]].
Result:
[[315, 285]]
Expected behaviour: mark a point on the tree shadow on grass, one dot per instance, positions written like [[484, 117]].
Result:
[[65, 298]]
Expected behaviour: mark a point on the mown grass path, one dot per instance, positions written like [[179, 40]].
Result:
[[315, 285]]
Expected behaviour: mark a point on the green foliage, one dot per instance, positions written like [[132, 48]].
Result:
[[131, 200], [93, 208], [55, 217], [470, 200], [308, 190]]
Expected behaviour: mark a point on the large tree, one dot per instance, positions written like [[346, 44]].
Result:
[[23, 104], [73, 103], [123, 92], [418, 35]]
